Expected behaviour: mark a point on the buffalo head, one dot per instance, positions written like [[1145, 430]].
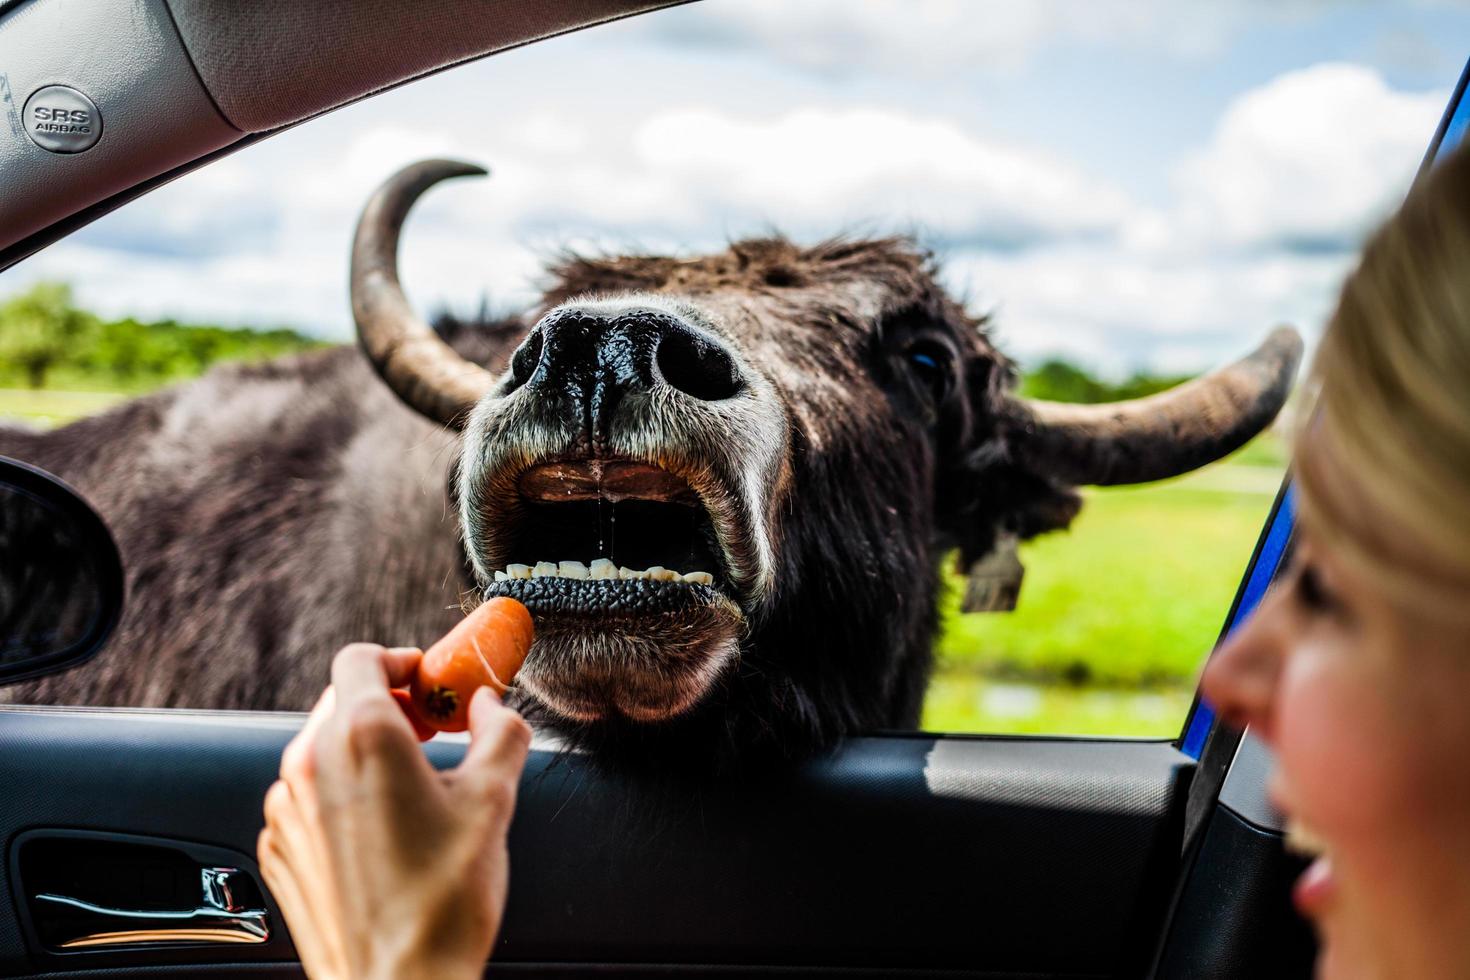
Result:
[[723, 485]]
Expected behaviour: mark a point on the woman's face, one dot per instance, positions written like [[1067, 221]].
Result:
[[1367, 706]]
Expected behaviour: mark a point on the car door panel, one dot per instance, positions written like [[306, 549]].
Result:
[[986, 856]]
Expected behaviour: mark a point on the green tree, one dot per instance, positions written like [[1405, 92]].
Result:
[[122, 351], [40, 329], [1056, 380], [1141, 385]]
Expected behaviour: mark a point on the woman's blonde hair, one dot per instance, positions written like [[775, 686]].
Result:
[[1388, 402]]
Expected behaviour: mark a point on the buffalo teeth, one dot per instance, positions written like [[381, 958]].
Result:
[[601, 569]]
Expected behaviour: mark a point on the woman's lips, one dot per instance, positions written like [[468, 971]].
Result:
[[1315, 888]]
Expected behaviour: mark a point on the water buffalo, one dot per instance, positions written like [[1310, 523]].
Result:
[[724, 486]]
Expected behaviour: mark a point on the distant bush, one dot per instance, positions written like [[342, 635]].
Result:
[[41, 329], [1061, 381], [45, 337]]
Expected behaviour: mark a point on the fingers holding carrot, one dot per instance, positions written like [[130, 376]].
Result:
[[360, 812]]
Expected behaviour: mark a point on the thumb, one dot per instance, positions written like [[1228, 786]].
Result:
[[499, 742]]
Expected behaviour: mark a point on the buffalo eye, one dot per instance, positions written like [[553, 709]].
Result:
[[932, 365]]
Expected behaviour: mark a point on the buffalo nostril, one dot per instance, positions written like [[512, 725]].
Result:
[[524, 361], [697, 367]]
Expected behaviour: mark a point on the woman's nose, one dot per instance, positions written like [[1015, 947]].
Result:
[[1241, 677]]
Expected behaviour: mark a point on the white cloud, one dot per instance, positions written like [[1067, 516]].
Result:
[[268, 243], [246, 289], [1309, 161], [1264, 224], [844, 37], [816, 170], [1119, 310]]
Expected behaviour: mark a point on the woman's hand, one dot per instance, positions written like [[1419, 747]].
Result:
[[382, 866]]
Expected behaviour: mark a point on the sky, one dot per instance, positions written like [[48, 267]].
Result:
[[1133, 185]]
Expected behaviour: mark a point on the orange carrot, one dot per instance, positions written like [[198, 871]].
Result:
[[487, 647]]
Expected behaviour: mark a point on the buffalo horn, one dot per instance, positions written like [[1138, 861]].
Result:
[[1162, 435], [421, 369]]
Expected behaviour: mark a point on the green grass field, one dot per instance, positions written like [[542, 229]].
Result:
[[1115, 615]]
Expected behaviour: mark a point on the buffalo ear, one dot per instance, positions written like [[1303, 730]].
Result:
[[985, 493], [1004, 505], [1006, 500]]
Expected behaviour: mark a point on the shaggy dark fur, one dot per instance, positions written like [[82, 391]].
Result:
[[269, 514]]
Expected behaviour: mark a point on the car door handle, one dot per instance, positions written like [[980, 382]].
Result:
[[218, 918]]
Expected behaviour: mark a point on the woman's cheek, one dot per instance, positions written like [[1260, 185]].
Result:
[[1359, 769], [1334, 742]]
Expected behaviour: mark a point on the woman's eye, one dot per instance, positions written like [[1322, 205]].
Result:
[[1310, 587], [1311, 591]]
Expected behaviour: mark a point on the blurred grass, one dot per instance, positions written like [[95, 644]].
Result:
[[969, 703]]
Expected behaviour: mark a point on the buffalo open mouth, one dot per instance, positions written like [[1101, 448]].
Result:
[[623, 571], [638, 537]]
